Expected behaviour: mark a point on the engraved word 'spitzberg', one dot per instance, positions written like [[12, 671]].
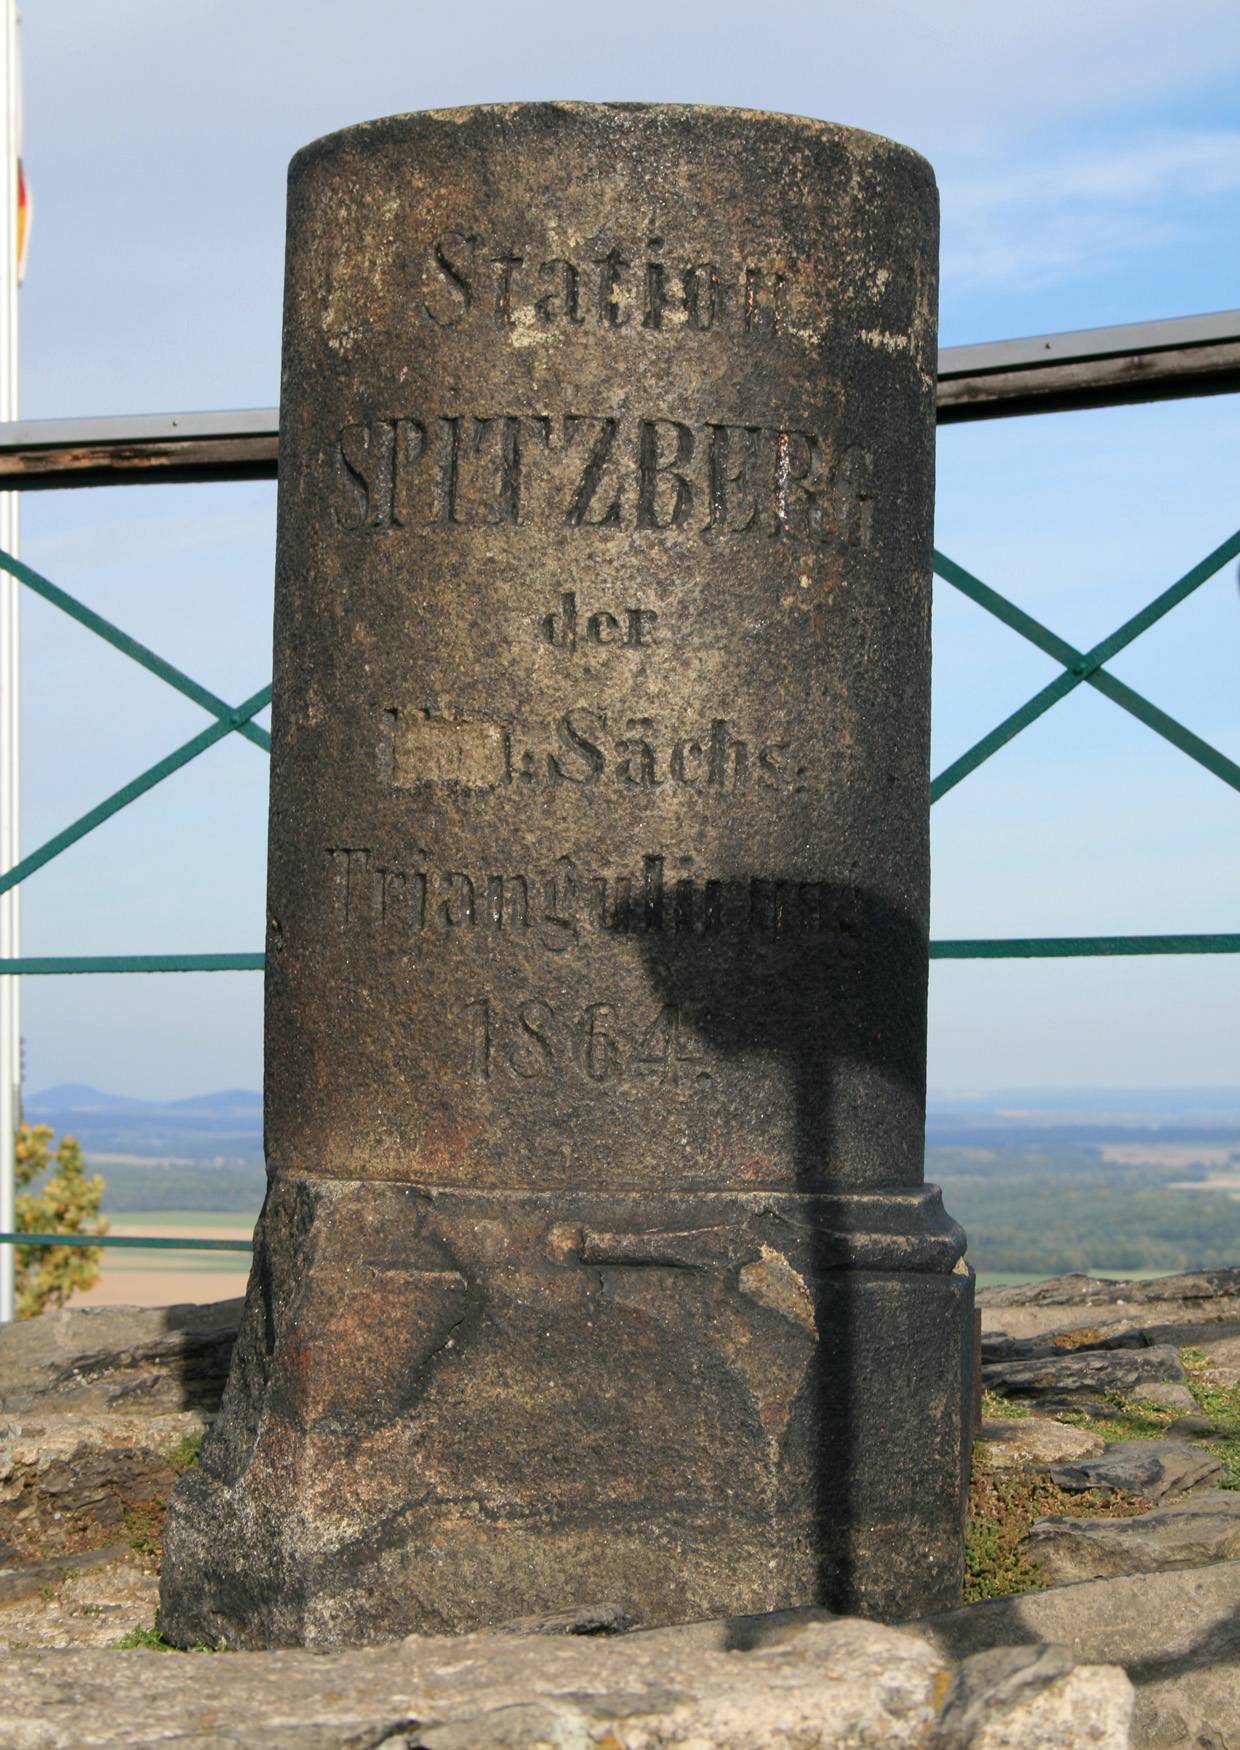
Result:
[[599, 471]]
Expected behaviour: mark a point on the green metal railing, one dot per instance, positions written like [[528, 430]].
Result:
[[1080, 668]]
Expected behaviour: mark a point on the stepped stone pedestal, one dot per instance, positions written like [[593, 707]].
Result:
[[596, 1262]]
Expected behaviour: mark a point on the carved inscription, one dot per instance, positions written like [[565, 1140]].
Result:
[[644, 287], [627, 628], [599, 471], [403, 899], [527, 1039], [586, 748]]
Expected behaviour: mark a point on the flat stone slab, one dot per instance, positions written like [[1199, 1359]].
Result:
[[23, 1579], [1063, 1304], [1204, 1527], [1015, 1442], [1082, 1370], [89, 1601], [1155, 1469], [1177, 1634], [793, 1682], [128, 1359], [1166, 1395], [63, 1477]]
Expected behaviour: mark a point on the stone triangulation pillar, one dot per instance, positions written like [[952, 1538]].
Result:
[[596, 1262]]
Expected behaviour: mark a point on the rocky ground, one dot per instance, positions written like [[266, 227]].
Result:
[[1103, 1594]]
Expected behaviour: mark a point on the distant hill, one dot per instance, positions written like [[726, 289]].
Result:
[[227, 1126], [1044, 1179], [1219, 1105], [220, 1127]]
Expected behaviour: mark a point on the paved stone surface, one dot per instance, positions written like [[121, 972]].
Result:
[[1082, 1370], [791, 1685], [1156, 1469], [597, 1260], [1200, 1528], [128, 1359], [1034, 1440], [1177, 1634]]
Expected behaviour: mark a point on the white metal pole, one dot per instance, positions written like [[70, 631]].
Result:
[[10, 915]]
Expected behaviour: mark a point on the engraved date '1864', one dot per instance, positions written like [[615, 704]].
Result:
[[526, 1039]]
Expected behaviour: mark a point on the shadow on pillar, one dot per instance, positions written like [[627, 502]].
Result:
[[829, 981]]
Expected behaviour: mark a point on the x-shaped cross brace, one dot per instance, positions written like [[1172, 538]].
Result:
[[230, 720], [1086, 666]]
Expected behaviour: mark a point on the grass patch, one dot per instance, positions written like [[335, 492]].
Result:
[[144, 1523], [995, 1407], [154, 1642], [1002, 1506], [149, 1638], [1222, 1404], [1129, 1420], [1077, 1339], [185, 1453]]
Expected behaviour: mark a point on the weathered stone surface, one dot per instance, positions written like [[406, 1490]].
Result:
[[90, 1604], [596, 1260], [1193, 1288], [1204, 1527], [1021, 1441], [1082, 1370], [139, 1361], [21, 1579], [1201, 1306], [340, 1515], [1177, 1634], [998, 1346], [1165, 1395], [1034, 1696], [801, 1685], [1190, 1428], [1155, 1469], [1097, 1408], [67, 1480], [1220, 1345]]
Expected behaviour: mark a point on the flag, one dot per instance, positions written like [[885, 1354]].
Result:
[[25, 211]]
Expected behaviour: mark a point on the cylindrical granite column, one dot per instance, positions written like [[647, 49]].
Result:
[[596, 1262]]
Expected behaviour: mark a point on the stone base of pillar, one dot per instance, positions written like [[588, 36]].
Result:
[[687, 1406]]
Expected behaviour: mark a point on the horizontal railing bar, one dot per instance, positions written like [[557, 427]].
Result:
[[135, 428], [45, 964], [1090, 367], [1075, 345], [149, 1241], [1078, 947], [980, 948]]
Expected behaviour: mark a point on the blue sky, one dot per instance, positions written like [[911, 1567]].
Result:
[[1089, 163]]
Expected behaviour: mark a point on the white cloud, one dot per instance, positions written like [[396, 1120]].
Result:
[[1081, 212]]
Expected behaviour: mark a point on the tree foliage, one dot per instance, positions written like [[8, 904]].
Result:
[[55, 1195]]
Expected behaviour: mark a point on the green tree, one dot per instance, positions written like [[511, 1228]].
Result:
[[67, 1202]]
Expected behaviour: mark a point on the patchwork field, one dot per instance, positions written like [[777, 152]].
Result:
[[150, 1277]]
